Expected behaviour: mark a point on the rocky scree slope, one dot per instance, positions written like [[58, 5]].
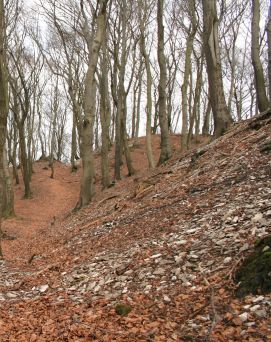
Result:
[[167, 246]]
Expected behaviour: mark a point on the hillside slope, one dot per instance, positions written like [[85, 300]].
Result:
[[166, 244]]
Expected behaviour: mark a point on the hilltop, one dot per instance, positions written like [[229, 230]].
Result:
[[152, 258]]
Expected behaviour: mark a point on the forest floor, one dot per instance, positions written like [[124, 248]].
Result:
[[152, 258]]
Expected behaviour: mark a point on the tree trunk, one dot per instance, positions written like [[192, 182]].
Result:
[[3, 107], [73, 144], [24, 161], [262, 99], [269, 50], [206, 123], [105, 119], [187, 70], [87, 190], [222, 117], [143, 19], [8, 196], [196, 101], [138, 108], [163, 120]]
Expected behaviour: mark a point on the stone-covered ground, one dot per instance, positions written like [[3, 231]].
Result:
[[166, 244]]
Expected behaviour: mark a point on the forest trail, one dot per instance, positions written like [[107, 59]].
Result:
[[52, 199], [152, 258]]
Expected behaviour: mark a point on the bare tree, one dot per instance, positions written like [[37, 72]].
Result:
[[3, 106], [262, 99], [143, 16], [105, 116], [86, 132], [222, 117], [163, 120], [191, 32], [269, 50]]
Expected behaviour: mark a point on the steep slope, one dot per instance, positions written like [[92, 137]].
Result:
[[166, 244]]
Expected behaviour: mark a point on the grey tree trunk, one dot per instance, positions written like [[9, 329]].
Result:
[[3, 106], [143, 20], [54, 111], [163, 119], [206, 123], [105, 118], [187, 70], [73, 144], [196, 106], [8, 196], [262, 99], [222, 117], [269, 50], [87, 190]]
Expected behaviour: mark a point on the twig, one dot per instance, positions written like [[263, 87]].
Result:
[[106, 199]]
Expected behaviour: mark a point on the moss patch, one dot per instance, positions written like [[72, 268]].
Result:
[[254, 275], [123, 309]]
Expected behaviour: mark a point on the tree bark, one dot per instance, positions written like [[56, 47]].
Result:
[[206, 123], [262, 99], [87, 190], [222, 117], [187, 70], [8, 196], [3, 106], [269, 50], [105, 118], [143, 19], [163, 119]]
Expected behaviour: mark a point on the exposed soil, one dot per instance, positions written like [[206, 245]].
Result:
[[152, 258]]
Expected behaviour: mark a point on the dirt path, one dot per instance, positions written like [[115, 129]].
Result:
[[52, 199]]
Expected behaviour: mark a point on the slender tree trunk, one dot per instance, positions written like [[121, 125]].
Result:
[[135, 88], [143, 19], [105, 119], [163, 120], [54, 111], [262, 99], [196, 100], [138, 107], [8, 196], [24, 161], [222, 117], [269, 50], [131, 170], [206, 123], [13, 153], [43, 153], [187, 71], [73, 144], [3, 106]]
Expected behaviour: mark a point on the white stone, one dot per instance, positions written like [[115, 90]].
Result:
[[258, 299], [43, 288], [180, 242], [167, 299], [227, 260], [155, 256], [257, 218], [255, 307], [244, 317]]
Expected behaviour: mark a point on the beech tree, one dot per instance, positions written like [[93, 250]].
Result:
[[163, 119], [3, 107], [268, 28], [262, 99], [222, 116], [144, 12], [86, 132]]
